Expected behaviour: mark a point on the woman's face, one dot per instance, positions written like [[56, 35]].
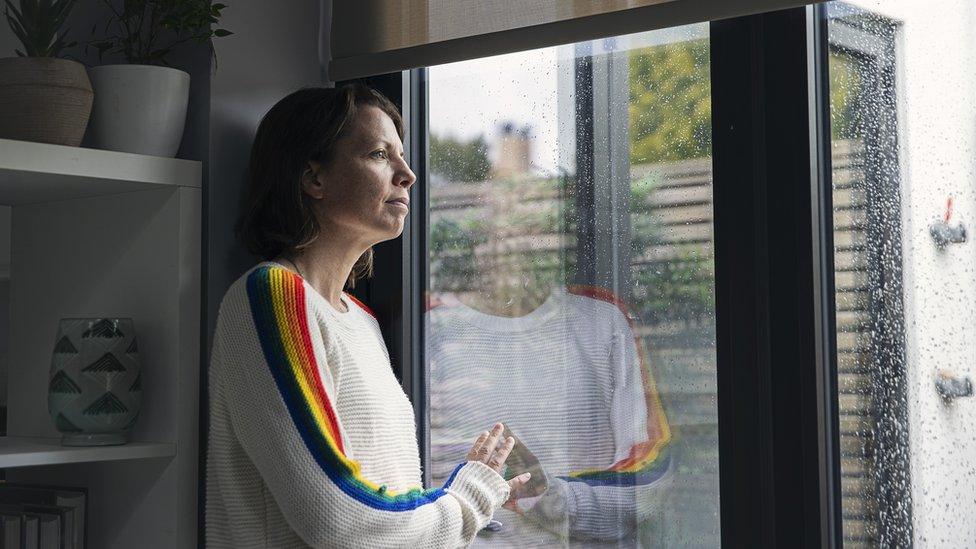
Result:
[[364, 190]]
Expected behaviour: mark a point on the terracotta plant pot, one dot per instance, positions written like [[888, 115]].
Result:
[[44, 99]]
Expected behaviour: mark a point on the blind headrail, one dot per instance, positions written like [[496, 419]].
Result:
[[370, 37]]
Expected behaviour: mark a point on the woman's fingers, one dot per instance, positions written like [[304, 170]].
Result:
[[473, 452], [497, 460], [515, 485], [484, 448], [488, 448]]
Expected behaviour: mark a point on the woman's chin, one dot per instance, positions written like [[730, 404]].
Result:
[[392, 231], [383, 227]]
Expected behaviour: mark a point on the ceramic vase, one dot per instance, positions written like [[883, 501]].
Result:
[[138, 109], [95, 388]]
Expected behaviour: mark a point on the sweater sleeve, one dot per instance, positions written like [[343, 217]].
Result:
[[281, 409], [609, 501]]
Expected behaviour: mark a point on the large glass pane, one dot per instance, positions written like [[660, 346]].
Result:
[[571, 286], [902, 84]]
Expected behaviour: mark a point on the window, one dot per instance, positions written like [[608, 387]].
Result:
[[571, 285], [659, 186], [903, 135]]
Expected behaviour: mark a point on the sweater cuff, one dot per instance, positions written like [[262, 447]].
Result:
[[481, 485]]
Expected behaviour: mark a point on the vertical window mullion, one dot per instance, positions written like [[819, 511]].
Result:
[[417, 260], [745, 456], [825, 310], [766, 295]]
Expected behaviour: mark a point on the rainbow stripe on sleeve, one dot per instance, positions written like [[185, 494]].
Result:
[[278, 306], [651, 459]]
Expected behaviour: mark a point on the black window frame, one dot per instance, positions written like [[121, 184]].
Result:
[[774, 294], [771, 273]]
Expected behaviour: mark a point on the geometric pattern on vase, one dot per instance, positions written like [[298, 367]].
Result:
[[62, 384], [106, 364], [65, 426], [105, 369], [137, 384], [107, 404], [104, 328], [65, 346]]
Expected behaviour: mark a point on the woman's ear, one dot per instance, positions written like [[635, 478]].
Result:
[[312, 181]]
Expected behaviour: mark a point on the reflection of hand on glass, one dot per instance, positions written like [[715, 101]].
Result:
[[487, 451], [608, 500], [522, 460]]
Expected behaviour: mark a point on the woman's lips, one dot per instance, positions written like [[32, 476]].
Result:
[[399, 203]]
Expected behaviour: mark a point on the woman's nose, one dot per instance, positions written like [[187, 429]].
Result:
[[405, 177]]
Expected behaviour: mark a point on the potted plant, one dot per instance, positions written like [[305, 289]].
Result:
[[42, 97], [140, 107]]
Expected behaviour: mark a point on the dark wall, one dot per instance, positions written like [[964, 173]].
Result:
[[274, 50]]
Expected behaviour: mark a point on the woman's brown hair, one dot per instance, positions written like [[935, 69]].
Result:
[[304, 126]]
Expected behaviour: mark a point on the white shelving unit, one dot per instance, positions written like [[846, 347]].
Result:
[[37, 172], [33, 451], [97, 234]]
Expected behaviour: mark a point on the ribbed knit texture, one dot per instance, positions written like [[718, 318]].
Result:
[[572, 381], [312, 441]]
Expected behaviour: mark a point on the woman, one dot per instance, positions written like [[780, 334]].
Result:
[[312, 441]]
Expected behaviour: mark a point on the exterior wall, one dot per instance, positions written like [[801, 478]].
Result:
[[937, 123]]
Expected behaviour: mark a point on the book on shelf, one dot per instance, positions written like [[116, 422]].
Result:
[[18, 528], [30, 531], [40, 527], [66, 522], [48, 531], [57, 508], [10, 530]]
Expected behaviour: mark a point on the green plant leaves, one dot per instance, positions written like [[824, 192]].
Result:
[[37, 24], [135, 30]]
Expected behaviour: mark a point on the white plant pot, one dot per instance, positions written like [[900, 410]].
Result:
[[138, 109]]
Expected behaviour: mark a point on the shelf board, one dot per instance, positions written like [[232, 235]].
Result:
[[34, 451], [39, 172]]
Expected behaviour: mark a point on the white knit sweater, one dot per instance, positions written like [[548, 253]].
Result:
[[312, 441]]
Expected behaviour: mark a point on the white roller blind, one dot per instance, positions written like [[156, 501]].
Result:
[[377, 36]]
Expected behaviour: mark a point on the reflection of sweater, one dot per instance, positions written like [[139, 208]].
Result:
[[571, 381], [312, 440]]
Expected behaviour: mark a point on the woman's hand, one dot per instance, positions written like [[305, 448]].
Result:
[[487, 451]]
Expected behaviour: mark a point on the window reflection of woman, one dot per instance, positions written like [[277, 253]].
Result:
[[561, 364], [312, 441]]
